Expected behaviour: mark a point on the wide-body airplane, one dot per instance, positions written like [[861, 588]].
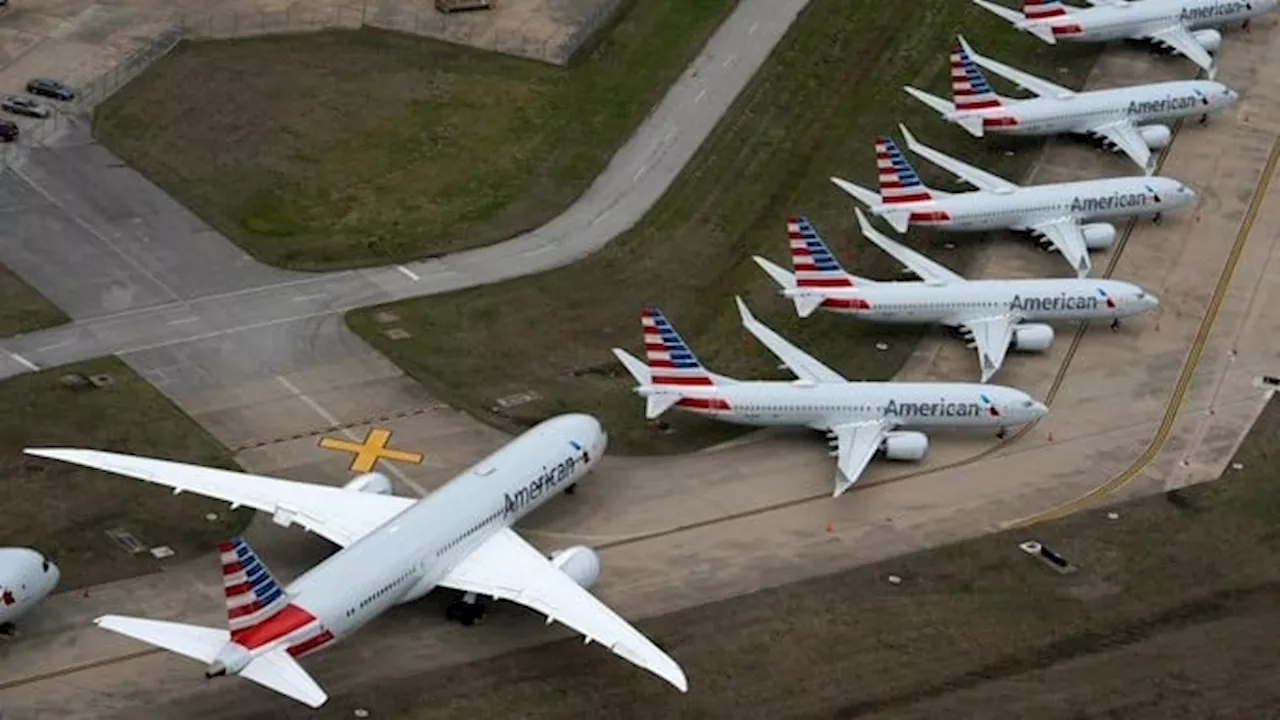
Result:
[[1178, 25], [394, 550], [1053, 213], [860, 418], [26, 578], [995, 315], [1124, 118]]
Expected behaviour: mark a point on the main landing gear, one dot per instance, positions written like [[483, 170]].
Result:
[[8, 629], [569, 490], [1157, 217], [468, 610], [1002, 433], [1204, 118]]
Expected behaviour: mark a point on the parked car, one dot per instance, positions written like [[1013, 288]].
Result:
[[19, 105], [8, 130], [51, 89]]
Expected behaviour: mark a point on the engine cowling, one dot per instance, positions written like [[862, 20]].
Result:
[[1032, 337], [580, 563], [372, 483], [1099, 236], [1156, 136], [1210, 40], [905, 445]]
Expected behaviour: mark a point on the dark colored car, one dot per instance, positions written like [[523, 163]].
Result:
[[51, 89], [8, 130], [30, 107]]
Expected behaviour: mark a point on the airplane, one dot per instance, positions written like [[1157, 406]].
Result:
[[393, 550], [993, 315], [26, 578], [1115, 116], [860, 419], [1182, 26], [1052, 213]]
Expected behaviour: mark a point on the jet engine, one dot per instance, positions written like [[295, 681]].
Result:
[[1098, 236], [372, 483], [1210, 40], [1156, 136], [1032, 337], [580, 563], [905, 445]]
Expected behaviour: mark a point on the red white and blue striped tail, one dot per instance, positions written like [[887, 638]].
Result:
[[969, 87], [815, 266], [899, 182], [670, 360], [253, 595], [1041, 9]]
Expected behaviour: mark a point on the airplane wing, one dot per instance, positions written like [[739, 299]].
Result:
[[1124, 135], [508, 568], [929, 271], [1024, 80], [856, 444], [341, 516], [1178, 37], [980, 179], [805, 366], [991, 335], [1065, 235]]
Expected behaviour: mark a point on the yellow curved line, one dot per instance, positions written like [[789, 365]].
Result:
[[1188, 368]]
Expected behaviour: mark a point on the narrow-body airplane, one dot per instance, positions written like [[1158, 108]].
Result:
[[1125, 119], [26, 578], [1182, 26], [995, 315], [1059, 215], [394, 550], [860, 419]]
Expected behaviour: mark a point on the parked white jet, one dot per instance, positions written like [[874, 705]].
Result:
[[395, 550], [26, 577], [1177, 25], [860, 418], [992, 314], [1052, 213], [1114, 116]]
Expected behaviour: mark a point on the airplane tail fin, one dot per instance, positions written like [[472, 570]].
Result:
[[969, 87], [899, 181], [252, 593], [276, 669], [814, 263], [671, 364]]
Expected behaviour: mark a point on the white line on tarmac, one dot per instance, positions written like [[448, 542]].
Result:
[[412, 275], [329, 418], [27, 363]]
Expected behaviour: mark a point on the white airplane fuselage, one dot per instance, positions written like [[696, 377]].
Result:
[[1032, 300], [1104, 23], [26, 578], [406, 557], [1019, 209], [822, 406], [1087, 110]]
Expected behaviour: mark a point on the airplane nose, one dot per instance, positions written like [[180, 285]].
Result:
[[1152, 300], [1039, 408]]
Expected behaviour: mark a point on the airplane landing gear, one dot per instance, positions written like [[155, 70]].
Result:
[[1204, 118], [8, 629], [569, 490], [467, 610], [1002, 433], [1157, 217], [1115, 324]]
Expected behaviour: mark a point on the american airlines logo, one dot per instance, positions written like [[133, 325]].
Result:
[[1210, 11], [1169, 104], [1113, 201], [937, 409], [1062, 301], [544, 483]]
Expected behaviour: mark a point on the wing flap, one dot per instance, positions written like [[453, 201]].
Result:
[[507, 567], [856, 444], [339, 515], [1066, 237], [1125, 136], [804, 365], [991, 335]]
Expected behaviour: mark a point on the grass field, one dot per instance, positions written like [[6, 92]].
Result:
[[365, 147], [831, 86], [22, 309], [1173, 613], [65, 511]]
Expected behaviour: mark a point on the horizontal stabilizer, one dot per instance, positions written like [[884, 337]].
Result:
[[972, 123], [198, 643], [655, 405], [859, 193], [781, 276], [638, 370], [945, 107], [806, 305], [278, 671], [898, 219]]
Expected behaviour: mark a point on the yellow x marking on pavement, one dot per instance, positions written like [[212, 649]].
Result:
[[373, 448]]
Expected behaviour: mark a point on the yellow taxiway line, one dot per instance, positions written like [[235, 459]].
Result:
[[1188, 368]]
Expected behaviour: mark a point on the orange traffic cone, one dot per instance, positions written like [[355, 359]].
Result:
[[1050, 436], [830, 531]]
